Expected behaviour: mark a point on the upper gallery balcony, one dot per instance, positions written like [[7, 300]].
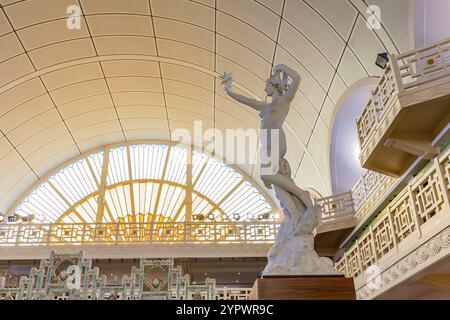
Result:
[[408, 112]]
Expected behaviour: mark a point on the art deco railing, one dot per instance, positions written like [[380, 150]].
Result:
[[118, 233], [336, 207], [23, 234], [368, 190], [416, 214], [233, 293], [404, 73]]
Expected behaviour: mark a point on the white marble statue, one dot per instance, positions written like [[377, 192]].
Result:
[[293, 252]]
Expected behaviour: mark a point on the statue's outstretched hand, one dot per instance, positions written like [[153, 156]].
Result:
[[227, 81]]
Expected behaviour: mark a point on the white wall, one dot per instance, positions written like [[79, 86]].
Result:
[[345, 166], [431, 21]]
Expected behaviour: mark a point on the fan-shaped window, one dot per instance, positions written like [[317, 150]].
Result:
[[145, 182]]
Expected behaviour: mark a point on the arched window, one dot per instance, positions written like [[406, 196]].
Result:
[[145, 182]]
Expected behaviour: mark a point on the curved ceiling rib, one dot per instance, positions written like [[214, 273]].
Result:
[[138, 70], [145, 181]]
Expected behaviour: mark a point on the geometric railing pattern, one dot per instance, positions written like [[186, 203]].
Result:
[[71, 277], [416, 212], [404, 73], [140, 233]]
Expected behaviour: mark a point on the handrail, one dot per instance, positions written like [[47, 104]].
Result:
[[423, 200], [403, 73], [48, 234]]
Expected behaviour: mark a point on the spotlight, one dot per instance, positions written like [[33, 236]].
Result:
[[211, 216], [264, 216], [382, 60], [236, 216], [28, 218]]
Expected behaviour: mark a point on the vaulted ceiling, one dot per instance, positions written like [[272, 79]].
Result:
[[140, 69]]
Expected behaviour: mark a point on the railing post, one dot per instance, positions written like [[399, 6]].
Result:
[[372, 242], [391, 225], [412, 205], [117, 232], [185, 232], [396, 72], [49, 234], [441, 176], [245, 231], [19, 230]]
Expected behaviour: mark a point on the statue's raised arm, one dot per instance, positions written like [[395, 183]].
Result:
[[289, 90], [227, 81]]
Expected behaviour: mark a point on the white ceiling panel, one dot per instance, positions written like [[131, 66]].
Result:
[[71, 75], [62, 52], [253, 14], [5, 27], [118, 24], [136, 98], [107, 45], [121, 84], [11, 46], [26, 13], [120, 68], [315, 29], [298, 46], [18, 95], [192, 34], [247, 36], [79, 90], [14, 68], [115, 6], [141, 69], [340, 14], [184, 74], [141, 111], [24, 112], [185, 52], [47, 33], [86, 104], [183, 10]]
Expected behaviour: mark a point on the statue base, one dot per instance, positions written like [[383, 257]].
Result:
[[311, 287]]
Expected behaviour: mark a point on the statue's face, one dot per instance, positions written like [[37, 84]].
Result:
[[270, 89]]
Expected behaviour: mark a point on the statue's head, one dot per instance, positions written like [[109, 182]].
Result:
[[275, 85]]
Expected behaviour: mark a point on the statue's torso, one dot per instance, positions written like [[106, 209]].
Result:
[[274, 114]]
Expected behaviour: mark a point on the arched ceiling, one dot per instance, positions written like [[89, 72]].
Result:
[[140, 69]]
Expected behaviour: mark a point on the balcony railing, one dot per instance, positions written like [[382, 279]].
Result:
[[416, 214], [368, 190], [404, 74], [22, 234], [336, 206], [232, 293], [150, 233]]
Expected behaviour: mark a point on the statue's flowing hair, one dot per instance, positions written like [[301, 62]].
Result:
[[279, 83]]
